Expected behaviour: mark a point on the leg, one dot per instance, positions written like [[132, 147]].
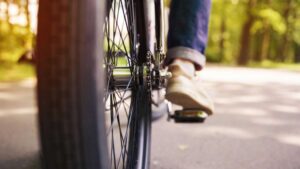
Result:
[[187, 41], [188, 29]]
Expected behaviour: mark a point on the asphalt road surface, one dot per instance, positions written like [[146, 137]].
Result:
[[256, 125]]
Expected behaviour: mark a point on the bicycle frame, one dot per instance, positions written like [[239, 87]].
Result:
[[154, 40], [154, 24]]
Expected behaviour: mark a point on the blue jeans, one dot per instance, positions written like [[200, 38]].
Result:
[[188, 31]]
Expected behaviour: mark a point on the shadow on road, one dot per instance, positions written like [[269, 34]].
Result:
[[25, 162], [256, 125]]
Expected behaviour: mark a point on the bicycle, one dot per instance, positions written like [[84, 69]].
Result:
[[95, 106]]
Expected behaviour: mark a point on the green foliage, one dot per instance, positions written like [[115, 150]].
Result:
[[275, 34], [271, 64], [275, 30], [296, 33], [270, 17], [15, 40], [15, 72], [232, 12]]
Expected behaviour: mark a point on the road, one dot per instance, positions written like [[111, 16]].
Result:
[[256, 125]]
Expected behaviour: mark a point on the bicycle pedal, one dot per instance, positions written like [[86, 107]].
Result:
[[189, 116]]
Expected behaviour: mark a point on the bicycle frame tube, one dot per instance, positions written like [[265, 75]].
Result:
[[149, 13], [160, 29], [154, 24]]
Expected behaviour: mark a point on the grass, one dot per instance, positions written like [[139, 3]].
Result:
[[15, 72], [11, 71], [276, 65], [267, 64]]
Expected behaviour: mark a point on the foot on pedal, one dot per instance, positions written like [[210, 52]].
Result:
[[189, 116]]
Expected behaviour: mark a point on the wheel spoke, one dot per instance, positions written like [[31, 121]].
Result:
[[121, 42]]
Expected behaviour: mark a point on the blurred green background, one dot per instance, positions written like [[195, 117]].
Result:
[[255, 32], [260, 33], [17, 36]]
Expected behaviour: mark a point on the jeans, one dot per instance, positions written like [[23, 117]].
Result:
[[188, 31]]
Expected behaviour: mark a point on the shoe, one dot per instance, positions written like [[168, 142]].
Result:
[[184, 89]]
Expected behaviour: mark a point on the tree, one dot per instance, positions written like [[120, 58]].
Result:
[[296, 33], [266, 37], [27, 14], [282, 51], [222, 30], [7, 14], [244, 53]]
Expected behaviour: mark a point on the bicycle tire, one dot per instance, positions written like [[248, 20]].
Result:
[[69, 89]]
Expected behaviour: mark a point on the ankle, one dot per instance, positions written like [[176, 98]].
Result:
[[185, 66]]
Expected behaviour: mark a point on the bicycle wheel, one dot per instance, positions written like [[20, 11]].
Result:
[[71, 119], [127, 98]]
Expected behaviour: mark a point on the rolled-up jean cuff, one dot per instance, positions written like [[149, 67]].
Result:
[[185, 53]]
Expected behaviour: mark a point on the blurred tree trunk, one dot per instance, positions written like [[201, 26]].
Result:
[[244, 54], [266, 37], [257, 46], [296, 45], [222, 31], [7, 14], [27, 14], [265, 42], [222, 40], [29, 37], [282, 50], [297, 52]]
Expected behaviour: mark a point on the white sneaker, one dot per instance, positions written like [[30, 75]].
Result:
[[184, 89]]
